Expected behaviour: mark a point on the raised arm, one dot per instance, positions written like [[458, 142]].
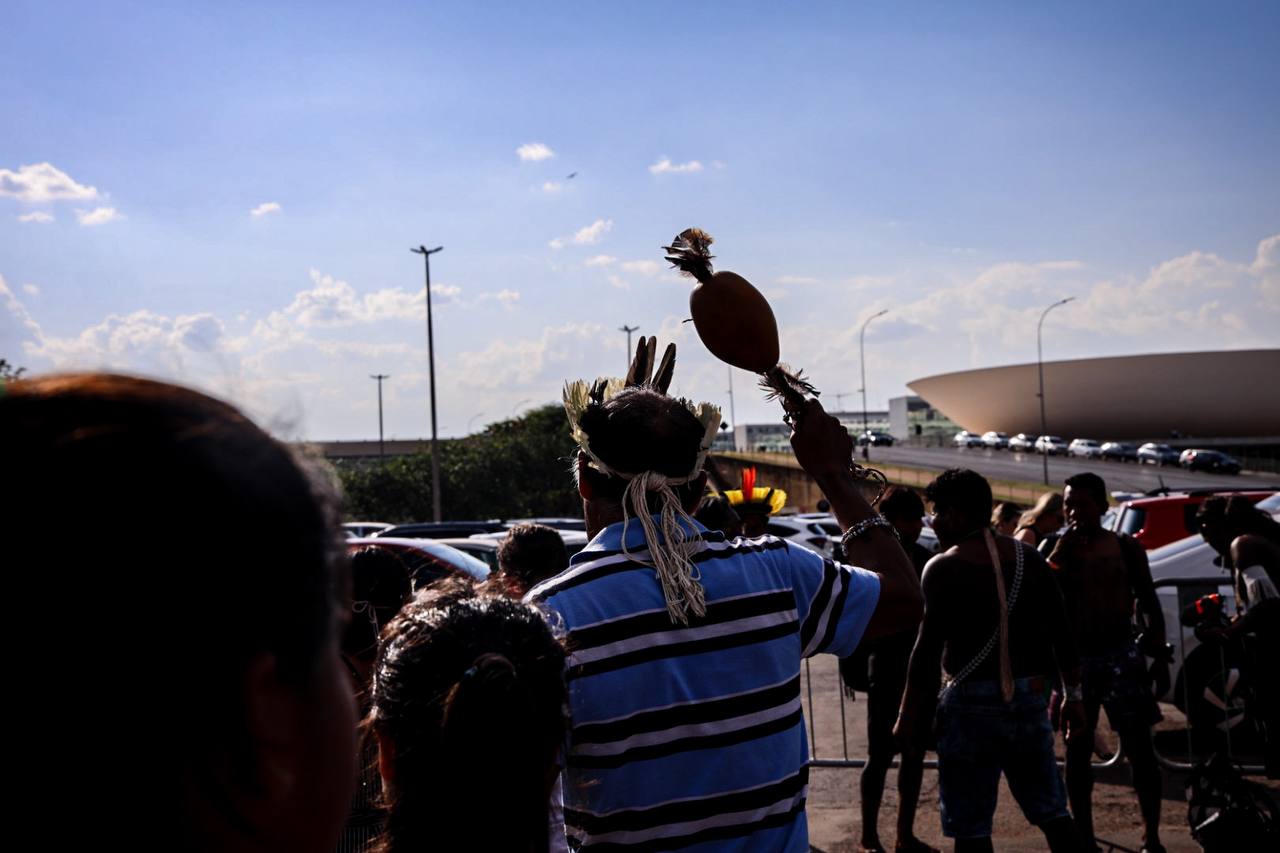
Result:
[[824, 448]]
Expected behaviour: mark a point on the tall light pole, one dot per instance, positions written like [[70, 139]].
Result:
[[862, 358], [840, 400], [473, 420], [628, 330], [431, 367], [1040, 369], [382, 447], [733, 417], [517, 406]]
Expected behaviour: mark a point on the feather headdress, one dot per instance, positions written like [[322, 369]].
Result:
[[670, 548]]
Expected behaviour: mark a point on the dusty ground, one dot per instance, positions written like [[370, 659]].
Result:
[[833, 792]]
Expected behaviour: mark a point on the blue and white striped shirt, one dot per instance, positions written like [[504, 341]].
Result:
[[692, 737]]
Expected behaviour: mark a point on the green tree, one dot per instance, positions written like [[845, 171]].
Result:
[[515, 468]]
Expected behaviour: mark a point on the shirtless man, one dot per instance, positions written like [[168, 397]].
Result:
[[1249, 542], [981, 733], [1102, 574]]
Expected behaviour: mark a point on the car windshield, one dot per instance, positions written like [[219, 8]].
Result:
[[1132, 520]]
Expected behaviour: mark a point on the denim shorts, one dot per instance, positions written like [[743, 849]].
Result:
[[979, 736], [1118, 681]]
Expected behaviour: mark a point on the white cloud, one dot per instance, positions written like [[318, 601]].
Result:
[[30, 290], [43, 182], [642, 267], [796, 279], [507, 297], [98, 216], [665, 166], [265, 208], [36, 216], [599, 261], [591, 234], [551, 187], [533, 152], [588, 235], [619, 282]]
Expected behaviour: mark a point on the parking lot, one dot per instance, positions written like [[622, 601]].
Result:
[[1027, 467]]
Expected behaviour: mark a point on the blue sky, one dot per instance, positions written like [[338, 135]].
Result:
[[960, 164]]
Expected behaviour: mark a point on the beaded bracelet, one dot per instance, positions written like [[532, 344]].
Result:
[[862, 527]]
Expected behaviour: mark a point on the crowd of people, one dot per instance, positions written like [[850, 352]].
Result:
[[645, 695]]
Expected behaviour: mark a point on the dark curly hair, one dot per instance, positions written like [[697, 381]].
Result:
[[641, 430], [530, 554], [469, 708]]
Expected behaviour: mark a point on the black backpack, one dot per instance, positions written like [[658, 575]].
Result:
[[1226, 812]]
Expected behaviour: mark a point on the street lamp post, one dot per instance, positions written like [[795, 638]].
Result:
[[431, 368], [1044, 451], [628, 330], [862, 358], [382, 447]]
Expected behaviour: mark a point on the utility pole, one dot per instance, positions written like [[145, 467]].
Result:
[[382, 447], [862, 358], [431, 368], [630, 352], [840, 400], [1040, 369]]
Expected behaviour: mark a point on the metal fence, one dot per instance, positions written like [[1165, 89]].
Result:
[[1209, 688]]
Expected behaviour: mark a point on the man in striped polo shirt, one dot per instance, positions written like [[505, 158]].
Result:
[[685, 648]]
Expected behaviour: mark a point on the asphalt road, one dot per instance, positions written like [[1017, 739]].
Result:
[[1026, 467]]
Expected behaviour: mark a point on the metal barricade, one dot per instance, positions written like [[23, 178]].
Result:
[[823, 716], [1206, 682]]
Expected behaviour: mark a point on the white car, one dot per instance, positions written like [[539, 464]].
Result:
[[818, 532], [995, 440], [1051, 444], [1085, 447], [362, 529], [1023, 441], [964, 438]]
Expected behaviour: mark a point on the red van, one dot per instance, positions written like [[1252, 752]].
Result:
[[1160, 519]]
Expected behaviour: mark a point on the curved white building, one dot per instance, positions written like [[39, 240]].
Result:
[[1234, 394]]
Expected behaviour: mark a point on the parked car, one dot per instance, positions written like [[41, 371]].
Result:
[[1157, 454], [1023, 441], [817, 532], [1156, 520], [360, 529], [1119, 451], [995, 440], [964, 438], [442, 529], [427, 559], [1209, 460], [1052, 445], [574, 541], [1085, 447], [875, 438], [558, 523]]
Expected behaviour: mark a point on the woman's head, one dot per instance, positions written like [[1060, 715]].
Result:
[[468, 709], [180, 645], [1047, 515], [1004, 518]]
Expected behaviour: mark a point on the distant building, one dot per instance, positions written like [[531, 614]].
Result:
[[776, 437], [912, 416], [1139, 397]]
